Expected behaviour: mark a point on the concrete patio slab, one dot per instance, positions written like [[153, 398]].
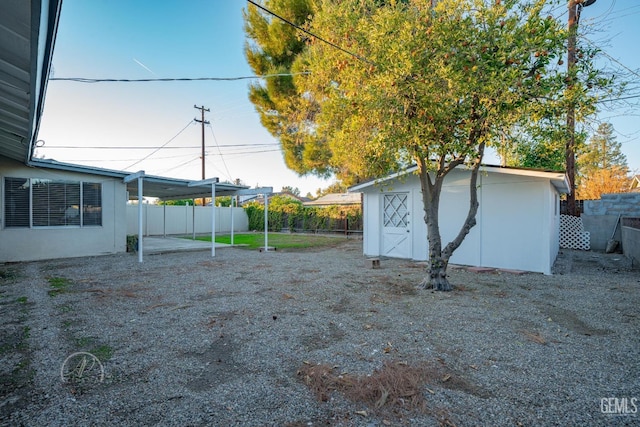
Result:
[[156, 245]]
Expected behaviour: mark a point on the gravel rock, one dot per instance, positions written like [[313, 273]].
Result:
[[186, 339]]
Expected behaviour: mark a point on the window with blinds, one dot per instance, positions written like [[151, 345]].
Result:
[[91, 204], [49, 203], [16, 202]]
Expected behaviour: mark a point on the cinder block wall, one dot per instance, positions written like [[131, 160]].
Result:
[[600, 216], [631, 244], [626, 204]]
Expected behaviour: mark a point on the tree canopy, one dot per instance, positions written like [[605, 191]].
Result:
[[426, 83], [602, 166], [272, 48]]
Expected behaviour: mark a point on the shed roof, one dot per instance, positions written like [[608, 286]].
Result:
[[558, 179]]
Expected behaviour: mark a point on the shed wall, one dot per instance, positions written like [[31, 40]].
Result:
[[517, 224]]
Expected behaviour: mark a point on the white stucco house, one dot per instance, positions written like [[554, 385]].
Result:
[[50, 209], [518, 221]]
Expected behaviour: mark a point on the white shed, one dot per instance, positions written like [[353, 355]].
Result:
[[518, 220]]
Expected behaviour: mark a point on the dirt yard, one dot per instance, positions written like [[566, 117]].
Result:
[[316, 338]]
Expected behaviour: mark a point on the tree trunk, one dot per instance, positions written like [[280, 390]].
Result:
[[431, 190]]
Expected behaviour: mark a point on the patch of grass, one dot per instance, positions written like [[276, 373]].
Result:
[[23, 344], [7, 275], [67, 323], [22, 300], [84, 342], [59, 284], [102, 352], [65, 308], [278, 240]]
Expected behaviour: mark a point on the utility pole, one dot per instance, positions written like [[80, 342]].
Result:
[[203, 122], [575, 7]]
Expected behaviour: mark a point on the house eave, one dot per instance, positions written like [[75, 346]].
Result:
[[163, 188]]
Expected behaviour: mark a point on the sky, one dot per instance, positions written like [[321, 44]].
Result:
[[122, 125]]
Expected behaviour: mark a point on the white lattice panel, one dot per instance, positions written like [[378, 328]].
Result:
[[572, 234]]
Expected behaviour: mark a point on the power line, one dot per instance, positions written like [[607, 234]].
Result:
[[613, 59], [220, 152], [618, 99], [178, 166], [162, 146], [358, 57], [180, 79], [105, 147]]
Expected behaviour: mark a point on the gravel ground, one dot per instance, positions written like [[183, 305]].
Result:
[[240, 340]]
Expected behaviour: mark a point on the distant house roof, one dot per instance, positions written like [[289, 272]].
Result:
[[558, 179], [635, 183], [340, 199], [260, 198]]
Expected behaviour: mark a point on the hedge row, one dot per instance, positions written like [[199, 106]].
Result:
[[285, 213]]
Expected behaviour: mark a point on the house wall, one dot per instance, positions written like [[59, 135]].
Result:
[[171, 220], [28, 244], [517, 221]]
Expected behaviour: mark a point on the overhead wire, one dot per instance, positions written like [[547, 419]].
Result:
[[340, 48], [178, 166], [219, 152], [162, 146], [141, 147], [168, 79]]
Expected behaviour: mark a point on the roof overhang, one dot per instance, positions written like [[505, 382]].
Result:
[[27, 36], [153, 186], [558, 179]]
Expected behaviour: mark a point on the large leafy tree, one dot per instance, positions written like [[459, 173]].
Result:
[[430, 83], [433, 84], [271, 49], [602, 165]]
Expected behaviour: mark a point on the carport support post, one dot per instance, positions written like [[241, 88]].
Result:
[[266, 222], [231, 206], [140, 239], [213, 219], [127, 179], [193, 221], [213, 182]]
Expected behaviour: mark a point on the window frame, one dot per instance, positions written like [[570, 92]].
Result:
[[34, 204]]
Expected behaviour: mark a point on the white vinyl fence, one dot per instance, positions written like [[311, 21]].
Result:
[[179, 220]]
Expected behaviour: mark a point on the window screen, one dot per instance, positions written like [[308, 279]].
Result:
[[48, 203], [16, 202], [55, 203], [91, 204]]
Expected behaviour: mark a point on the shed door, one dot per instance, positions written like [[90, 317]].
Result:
[[396, 227]]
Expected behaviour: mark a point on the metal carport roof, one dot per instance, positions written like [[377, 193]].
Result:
[[154, 186]]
